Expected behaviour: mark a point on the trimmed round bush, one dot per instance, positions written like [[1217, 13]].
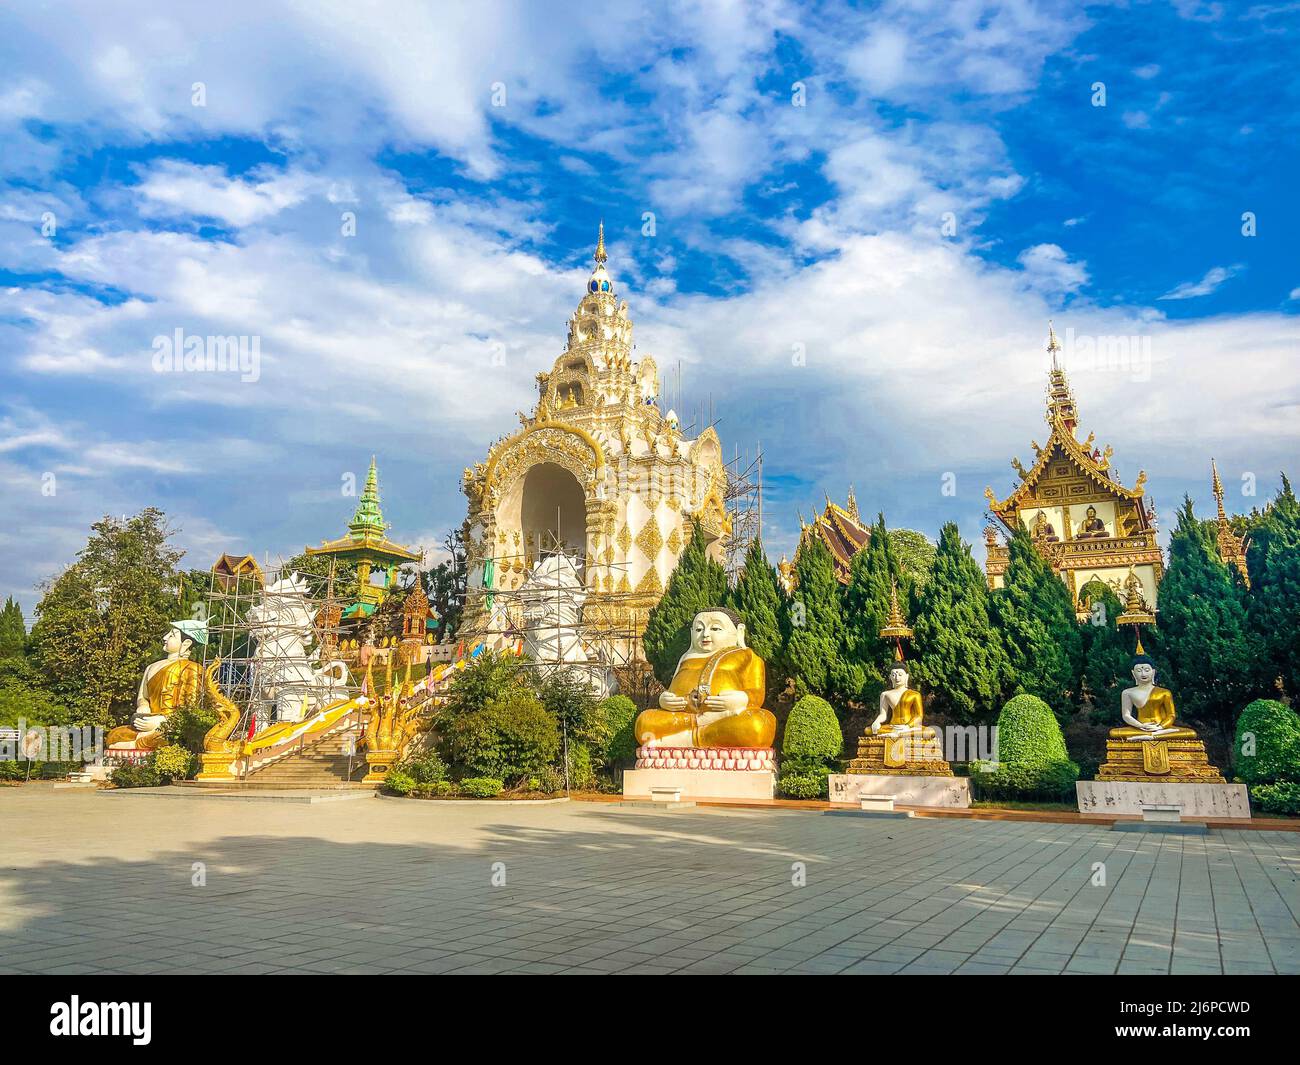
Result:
[[510, 737], [173, 762], [481, 787], [1267, 746], [620, 717], [812, 731], [1280, 798], [804, 784], [1031, 752]]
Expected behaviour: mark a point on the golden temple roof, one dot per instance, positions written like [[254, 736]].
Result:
[[842, 531]]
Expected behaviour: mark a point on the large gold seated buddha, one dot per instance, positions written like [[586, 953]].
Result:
[[716, 696]]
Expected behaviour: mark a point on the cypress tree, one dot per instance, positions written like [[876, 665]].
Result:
[[13, 633], [864, 656], [960, 660], [757, 598], [1273, 558], [814, 621], [1035, 618], [1210, 658], [1107, 651], [696, 584]]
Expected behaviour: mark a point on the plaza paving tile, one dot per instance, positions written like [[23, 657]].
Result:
[[105, 883]]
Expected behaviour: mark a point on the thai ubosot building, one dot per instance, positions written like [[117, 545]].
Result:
[[843, 532], [598, 472], [1083, 520]]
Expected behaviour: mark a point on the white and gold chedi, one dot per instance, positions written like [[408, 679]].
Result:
[[716, 696], [596, 472]]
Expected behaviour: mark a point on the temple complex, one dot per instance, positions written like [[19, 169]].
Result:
[[596, 472], [1083, 521]]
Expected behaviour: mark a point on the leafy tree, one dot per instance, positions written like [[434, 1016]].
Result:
[[444, 584], [915, 554], [1107, 650], [1202, 642], [697, 583], [814, 621], [960, 660], [757, 598], [102, 620], [491, 675], [1267, 745], [1035, 618], [318, 566], [1273, 558], [864, 656], [511, 736], [13, 631], [620, 718]]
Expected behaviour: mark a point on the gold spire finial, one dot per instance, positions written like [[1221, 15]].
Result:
[[1218, 488], [1053, 345], [895, 626], [600, 255]]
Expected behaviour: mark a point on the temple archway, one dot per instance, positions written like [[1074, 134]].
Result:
[[553, 512]]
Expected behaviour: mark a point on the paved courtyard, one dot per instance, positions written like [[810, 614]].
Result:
[[109, 882]]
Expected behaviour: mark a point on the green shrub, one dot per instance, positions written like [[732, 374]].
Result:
[[138, 775], [569, 699], [1032, 758], [582, 777], [620, 717], [1280, 798], [13, 770], [173, 762], [812, 731], [548, 780], [481, 787], [489, 677], [510, 737], [1267, 745], [187, 725], [804, 784], [425, 768], [398, 782]]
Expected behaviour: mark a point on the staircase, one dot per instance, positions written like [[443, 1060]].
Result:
[[320, 765]]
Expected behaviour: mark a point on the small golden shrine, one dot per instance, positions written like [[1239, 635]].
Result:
[[231, 570], [1232, 549], [1082, 520]]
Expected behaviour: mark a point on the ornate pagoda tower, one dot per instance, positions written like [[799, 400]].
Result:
[[1232, 549], [1082, 520], [597, 472], [841, 529]]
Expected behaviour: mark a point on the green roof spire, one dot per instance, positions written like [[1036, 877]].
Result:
[[369, 519]]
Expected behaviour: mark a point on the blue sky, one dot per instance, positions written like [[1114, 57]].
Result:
[[904, 193]]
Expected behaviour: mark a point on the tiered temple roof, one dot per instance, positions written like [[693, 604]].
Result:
[[841, 530]]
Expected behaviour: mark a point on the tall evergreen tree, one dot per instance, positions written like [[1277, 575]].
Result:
[[959, 658], [13, 632], [102, 620], [1107, 651], [696, 584], [864, 656], [1202, 641], [1035, 618], [814, 621], [757, 597], [915, 554], [1273, 558]]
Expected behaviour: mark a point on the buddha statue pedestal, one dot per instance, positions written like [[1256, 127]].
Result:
[[1152, 760], [900, 756], [710, 737]]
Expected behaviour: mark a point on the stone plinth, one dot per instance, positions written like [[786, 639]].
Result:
[[1158, 761], [909, 789], [918, 754], [702, 783], [744, 759], [1194, 800]]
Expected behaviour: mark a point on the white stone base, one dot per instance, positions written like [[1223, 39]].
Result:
[[702, 783], [1129, 796], [950, 792]]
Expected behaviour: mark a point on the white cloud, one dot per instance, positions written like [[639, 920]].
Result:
[[1049, 269], [1214, 277], [173, 189]]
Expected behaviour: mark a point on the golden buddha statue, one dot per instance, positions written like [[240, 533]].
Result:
[[1148, 708], [716, 696], [1092, 527], [171, 682], [901, 709], [1150, 745]]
